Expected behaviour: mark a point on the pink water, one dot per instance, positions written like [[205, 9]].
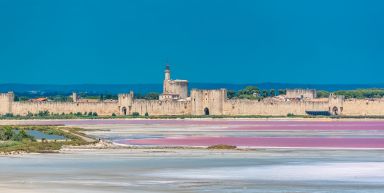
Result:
[[356, 134], [242, 124], [265, 142], [281, 133]]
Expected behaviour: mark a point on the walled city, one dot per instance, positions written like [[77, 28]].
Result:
[[176, 100]]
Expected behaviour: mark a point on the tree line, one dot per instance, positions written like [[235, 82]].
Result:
[[357, 94], [252, 92]]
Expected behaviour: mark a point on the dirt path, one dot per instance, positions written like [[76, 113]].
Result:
[[87, 139]]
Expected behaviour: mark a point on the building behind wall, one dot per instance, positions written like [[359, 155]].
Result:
[[301, 94]]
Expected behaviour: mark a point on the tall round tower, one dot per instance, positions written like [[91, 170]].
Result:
[[167, 79], [173, 89], [167, 73]]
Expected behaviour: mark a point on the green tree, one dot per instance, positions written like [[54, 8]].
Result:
[[322, 94], [272, 93], [8, 134], [231, 94], [265, 93], [152, 96], [282, 91], [249, 92]]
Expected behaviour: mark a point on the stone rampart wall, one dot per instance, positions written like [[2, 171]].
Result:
[[254, 107], [214, 100], [101, 108], [363, 107], [157, 107]]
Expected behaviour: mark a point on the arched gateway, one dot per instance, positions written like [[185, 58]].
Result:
[[124, 110], [335, 110], [206, 111]]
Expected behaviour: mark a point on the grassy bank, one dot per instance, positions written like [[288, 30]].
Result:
[[17, 139]]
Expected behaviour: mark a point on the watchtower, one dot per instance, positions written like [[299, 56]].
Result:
[[336, 104], [125, 103], [173, 89], [6, 100]]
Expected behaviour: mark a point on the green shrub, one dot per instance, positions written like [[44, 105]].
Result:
[[8, 115], [135, 114], [43, 113], [290, 115], [11, 134]]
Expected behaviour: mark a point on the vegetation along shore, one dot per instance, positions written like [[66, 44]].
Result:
[[40, 139]]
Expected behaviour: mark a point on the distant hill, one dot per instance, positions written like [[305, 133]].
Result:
[[50, 89]]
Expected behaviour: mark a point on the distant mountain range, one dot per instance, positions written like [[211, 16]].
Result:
[[51, 89]]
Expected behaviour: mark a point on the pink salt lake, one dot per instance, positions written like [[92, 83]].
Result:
[[281, 133]]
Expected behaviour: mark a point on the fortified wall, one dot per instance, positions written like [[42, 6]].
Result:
[[175, 101], [201, 102], [363, 107], [101, 108], [126, 105], [215, 102]]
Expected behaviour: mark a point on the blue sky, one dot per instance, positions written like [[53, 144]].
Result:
[[94, 41]]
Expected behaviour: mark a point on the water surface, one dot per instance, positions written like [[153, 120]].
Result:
[[305, 164]]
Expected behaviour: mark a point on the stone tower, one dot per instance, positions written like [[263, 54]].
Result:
[[167, 79], [125, 103], [74, 97], [173, 89], [6, 100], [336, 104], [167, 73], [208, 102]]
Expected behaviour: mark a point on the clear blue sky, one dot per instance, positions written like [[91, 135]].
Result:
[[112, 41]]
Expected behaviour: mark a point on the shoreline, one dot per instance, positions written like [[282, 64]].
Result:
[[13, 121], [202, 117], [111, 145]]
